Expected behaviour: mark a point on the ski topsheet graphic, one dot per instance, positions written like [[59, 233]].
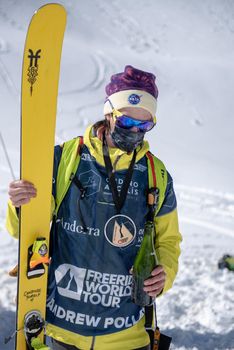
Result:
[[40, 78]]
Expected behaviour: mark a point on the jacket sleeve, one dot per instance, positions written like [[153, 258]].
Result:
[[12, 219], [168, 237]]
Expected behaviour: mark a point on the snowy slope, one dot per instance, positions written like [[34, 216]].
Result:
[[189, 46]]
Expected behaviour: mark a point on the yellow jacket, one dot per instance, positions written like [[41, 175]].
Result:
[[167, 250]]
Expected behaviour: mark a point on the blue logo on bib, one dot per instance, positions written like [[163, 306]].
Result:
[[134, 99]]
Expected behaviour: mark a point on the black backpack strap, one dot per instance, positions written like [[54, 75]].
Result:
[[158, 340], [149, 315]]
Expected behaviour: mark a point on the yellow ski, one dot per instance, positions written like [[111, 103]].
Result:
[[40, 76]]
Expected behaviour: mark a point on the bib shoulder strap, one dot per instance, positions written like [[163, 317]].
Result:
[[157, 176], [68, 165]]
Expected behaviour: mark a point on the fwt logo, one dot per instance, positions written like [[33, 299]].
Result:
[[70, 281], [33, 67]]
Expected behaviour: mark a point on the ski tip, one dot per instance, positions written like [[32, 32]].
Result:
[[52, 7]]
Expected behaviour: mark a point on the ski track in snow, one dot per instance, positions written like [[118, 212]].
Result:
[[103, 67], [4, 46], [6, 16], [207, 208], [4, 74], [97, 80], [131, 32], [223, 22], [207, 225]]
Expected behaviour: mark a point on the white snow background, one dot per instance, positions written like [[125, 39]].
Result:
[[189, 45]]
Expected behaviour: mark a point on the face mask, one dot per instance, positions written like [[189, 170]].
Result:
[[126, 140]]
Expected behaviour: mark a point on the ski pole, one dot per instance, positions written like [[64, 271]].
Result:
[[7, 156]]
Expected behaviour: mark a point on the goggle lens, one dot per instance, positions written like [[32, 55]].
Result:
[[127, 122]]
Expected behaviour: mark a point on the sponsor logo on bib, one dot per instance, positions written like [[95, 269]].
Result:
[[120, 230]]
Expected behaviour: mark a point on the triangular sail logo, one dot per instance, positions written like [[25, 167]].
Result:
[[121, 234], [120, 230]]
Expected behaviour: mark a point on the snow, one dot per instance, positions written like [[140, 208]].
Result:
[[189, 46]]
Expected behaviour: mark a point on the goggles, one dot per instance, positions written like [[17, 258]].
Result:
[[126, 122]]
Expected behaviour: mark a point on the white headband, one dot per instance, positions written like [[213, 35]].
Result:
[[131, 98]]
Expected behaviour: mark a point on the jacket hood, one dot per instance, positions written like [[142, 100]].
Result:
[[94, 145]]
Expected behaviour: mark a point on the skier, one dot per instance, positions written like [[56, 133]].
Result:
[[99, 224]]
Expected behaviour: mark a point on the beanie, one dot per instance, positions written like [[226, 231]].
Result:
[[132, 88]]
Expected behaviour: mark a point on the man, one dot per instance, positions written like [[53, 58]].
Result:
[[99, 224]]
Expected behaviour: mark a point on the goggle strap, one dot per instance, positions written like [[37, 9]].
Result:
[[113, 108]]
